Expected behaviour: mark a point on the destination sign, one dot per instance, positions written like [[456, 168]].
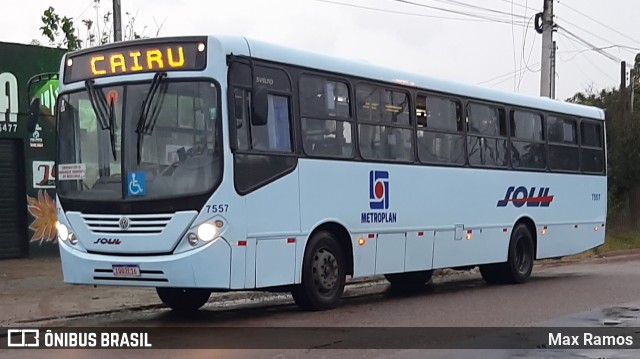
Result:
[[133, 59]]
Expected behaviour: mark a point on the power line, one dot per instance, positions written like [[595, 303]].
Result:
[[600, 23], [85, 10], [590, 45], [525, 6], [589, 60], [401, 12], [509, 75], [588, 32], [463, 4], [456, 11]]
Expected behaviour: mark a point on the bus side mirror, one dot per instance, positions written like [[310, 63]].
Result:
[[259, 107], [34, 114]]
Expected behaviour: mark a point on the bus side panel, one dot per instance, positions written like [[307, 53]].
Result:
[[568, 239], [419, 251], [273, 216], [390, 250], [480, 246]]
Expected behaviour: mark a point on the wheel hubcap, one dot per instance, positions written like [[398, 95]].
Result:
[[325, 270]]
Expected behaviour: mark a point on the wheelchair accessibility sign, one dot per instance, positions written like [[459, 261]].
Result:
[[137, 184]]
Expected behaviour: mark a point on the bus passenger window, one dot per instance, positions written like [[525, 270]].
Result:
[[563, 144], [440, 130], [275, 135], [326, 116], [528, 149], [487, 132]]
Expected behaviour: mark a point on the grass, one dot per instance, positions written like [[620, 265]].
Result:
[[614, 241], [619, 241]]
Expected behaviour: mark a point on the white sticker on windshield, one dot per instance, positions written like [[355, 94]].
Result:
[[72, 172]]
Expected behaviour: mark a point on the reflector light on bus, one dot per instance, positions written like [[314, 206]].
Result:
[[575, 226], [469, 234], [291, 240], [596, 228], [420, 234], [193, 238], [242, 243], [372, 235], [361, 241], [505, 229], [544, 230]]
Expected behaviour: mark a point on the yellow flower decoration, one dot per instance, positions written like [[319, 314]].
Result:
[[43, 209]]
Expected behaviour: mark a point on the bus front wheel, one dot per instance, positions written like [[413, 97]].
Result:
[[323, 274], [183, 299], [519, 265]]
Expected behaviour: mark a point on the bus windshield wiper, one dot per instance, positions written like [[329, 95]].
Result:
[[104, 112], [112, 126], [146, 123], [99, 104]]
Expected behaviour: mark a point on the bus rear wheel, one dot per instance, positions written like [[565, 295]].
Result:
[[409, 279], [519, 265], [323, 274], [183, 299]]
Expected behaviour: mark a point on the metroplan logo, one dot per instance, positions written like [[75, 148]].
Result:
[[379, 184], [532, 197], [379, 190]]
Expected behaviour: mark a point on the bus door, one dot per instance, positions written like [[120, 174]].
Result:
[[265, 170]]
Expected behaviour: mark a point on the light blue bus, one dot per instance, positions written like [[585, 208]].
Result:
[[202, 164]]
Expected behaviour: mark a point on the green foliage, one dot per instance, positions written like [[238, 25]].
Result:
[[62, 32], [53, 24], [623, 132]]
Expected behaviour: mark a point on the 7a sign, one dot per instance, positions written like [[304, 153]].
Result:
[[44, 174]]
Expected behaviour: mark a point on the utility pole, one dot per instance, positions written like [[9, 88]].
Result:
[[623, 76], [117, 21], [552, 72], [632, 86], [546, 28]]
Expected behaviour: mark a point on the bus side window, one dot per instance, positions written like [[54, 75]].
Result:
[[274, 136]]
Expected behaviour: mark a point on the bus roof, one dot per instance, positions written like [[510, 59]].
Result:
[[278, 53], [281, 54]]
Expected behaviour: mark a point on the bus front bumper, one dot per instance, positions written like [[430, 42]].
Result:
[[204, 267]]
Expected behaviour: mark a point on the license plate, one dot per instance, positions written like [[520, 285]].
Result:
[[126, 270]]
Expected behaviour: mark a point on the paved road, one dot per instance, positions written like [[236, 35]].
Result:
[[587, 293]]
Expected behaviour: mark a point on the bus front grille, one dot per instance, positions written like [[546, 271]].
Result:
[[133, 223]]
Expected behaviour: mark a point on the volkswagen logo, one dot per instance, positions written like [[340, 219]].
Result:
[[124, 223]]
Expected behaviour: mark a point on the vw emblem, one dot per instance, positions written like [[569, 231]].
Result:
[[124, 223]]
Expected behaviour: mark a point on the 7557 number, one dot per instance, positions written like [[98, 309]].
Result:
[[217, 208]]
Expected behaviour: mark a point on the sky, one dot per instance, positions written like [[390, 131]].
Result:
[[490, 43]]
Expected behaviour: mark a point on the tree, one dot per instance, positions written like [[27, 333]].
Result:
[[62, 31]]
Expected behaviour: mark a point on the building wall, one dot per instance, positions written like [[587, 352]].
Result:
[[18, 64]]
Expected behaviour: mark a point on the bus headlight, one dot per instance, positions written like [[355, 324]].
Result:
[[63, 231], [207, 232]]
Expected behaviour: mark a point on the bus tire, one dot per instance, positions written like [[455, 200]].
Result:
[[323, 274], [409, 279], [183, 299], [493, 273], [517, 269], [521, 255]]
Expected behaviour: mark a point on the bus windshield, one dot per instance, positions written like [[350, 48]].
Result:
[[179, 155]]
